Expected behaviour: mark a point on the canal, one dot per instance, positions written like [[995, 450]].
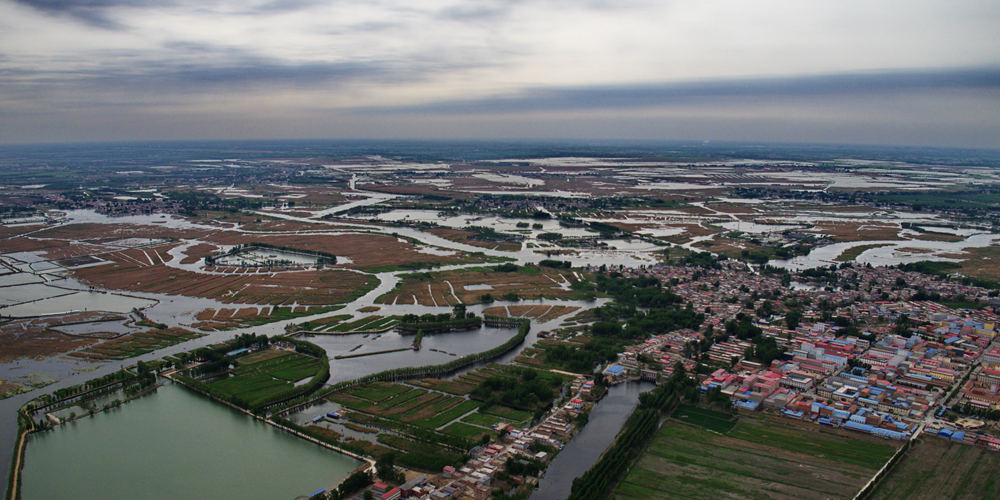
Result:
[[606, 419], [176, 444]]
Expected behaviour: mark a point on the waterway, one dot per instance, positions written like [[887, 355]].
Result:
[[606, 420], [176, 444]]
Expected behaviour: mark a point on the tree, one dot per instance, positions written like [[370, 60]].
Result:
[[793, 318]]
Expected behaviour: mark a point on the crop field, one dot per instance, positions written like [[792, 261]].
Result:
[[136, 344], [449, 287], [759, 457], [367, 323], [450, 386], [541, 313], [262, 380], [425, 408], [937, 468], [225, 319]]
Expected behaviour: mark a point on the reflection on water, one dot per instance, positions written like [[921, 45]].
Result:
[[175, 444], [606, 419]]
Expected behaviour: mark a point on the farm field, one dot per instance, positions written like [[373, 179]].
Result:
[[937, 468], [758, 457], [262, 377], [135, 344]]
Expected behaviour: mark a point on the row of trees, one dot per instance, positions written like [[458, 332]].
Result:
[[640, 427]]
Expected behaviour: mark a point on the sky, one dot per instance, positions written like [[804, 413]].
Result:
[[899, 72]]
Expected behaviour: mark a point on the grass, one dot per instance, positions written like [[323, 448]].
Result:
[[832, 447], [367, 323], [518, 416], [420, 455], [852, 253], [758, 457], [450, 386], [937, 468], [258, 380], [709, 419], [378, 391], [449, 415], [136, 344], [483, 419], [467, 431]]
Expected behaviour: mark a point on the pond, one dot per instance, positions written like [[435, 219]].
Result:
[[175, 444]]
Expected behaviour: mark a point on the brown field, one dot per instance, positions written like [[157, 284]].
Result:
[[936, 468], [34, 337], [131, 270], [413, 189], [434, 289], [981, 263], [198, 252], [932, 236], [366, 251], [135, 344], [857, 231], [111, 232], [462, 236]]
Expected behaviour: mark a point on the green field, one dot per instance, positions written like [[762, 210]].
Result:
[[937, 468], [378, 391], [467, 431], [484, 420], [759, 457], [420, 455], [709, 419], [259, 382], [519, 417]]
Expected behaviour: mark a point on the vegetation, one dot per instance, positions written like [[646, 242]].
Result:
[[458, 320], [261, 381], [640, 427], [524, 388]]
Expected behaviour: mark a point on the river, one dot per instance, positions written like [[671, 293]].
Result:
[[176, 444], [606, 420]]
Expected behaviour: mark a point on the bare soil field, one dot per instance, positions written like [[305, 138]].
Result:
[[937, 468]]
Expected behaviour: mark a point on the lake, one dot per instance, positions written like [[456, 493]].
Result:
[[176, 444]]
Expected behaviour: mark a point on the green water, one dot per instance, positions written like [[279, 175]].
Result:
[[175, 444]]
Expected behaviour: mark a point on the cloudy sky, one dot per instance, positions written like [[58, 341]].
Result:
[[884, 72]]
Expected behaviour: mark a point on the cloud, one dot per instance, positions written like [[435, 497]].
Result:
[[748, 89], [93, 12]]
